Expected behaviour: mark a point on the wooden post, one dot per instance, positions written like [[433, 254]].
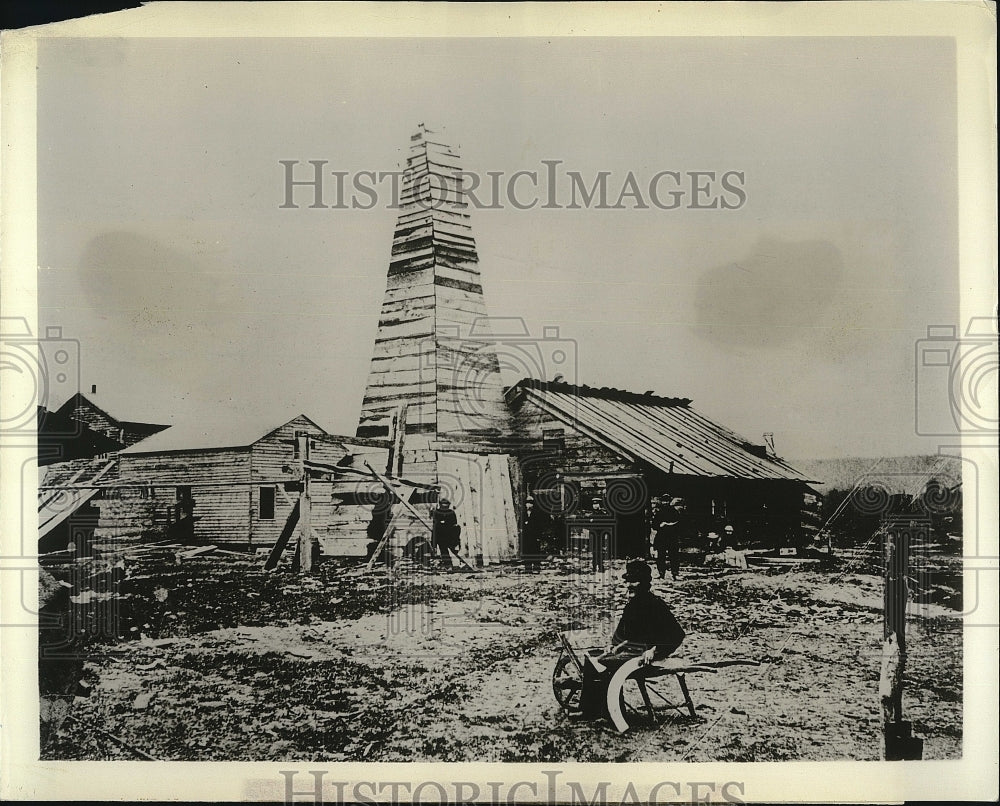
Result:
[[900, 744], [397, 443], [249, 518], [306, 536], [390, 461]]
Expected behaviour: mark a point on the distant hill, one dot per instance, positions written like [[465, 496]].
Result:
[[897, 474]]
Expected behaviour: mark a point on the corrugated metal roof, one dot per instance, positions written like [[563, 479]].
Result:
[[224, 430], [665, 432]]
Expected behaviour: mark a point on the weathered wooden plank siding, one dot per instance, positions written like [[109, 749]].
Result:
[[423, 355], [341, 509], [220, 506], [579, 454], [479, 487], [96, 419]]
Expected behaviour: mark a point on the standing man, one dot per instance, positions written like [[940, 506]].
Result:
[[446, 531], [670, 523], [598, 527], [647, 628], [537, 532]]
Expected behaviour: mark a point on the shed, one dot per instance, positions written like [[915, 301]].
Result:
[[578, 442], [234, 481]]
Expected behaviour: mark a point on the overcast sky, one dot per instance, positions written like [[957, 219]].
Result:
[[164, 251]]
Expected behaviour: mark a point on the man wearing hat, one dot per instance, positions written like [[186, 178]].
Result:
[[670, 521], [647, 628], [598, 526], [536, 533], [446, 530]]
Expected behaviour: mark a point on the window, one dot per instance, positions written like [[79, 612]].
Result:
[[266, 504], [553, 439], [184, 492]]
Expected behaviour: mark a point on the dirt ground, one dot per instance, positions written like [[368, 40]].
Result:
[[225, 662]]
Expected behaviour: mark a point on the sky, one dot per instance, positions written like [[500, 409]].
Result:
[[164, 250]]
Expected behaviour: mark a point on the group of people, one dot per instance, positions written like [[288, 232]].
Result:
[[544, 534]]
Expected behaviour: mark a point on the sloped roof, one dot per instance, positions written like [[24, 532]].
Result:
[[223, 430], [61, 438], [67, 486], [80, 399], [663, 432]]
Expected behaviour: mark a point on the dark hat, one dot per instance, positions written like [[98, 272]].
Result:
[[638, 571], [444, 502]]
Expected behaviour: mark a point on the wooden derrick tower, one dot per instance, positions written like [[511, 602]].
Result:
[[434, 352]]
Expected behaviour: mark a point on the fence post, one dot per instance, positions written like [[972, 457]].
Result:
[[900, 743]]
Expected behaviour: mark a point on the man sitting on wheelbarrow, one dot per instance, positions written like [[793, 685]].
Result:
[[647, 628]]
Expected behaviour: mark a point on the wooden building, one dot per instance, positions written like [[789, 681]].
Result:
[[436, 419], [235, 483], [577, 442], [78, 447], [80, 429]]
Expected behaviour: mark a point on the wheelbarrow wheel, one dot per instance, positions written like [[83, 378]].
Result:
[[567, 684]]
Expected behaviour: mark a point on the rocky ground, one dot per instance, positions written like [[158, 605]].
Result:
[[219, 661]]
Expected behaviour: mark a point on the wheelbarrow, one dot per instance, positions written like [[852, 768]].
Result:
[[637, 693]]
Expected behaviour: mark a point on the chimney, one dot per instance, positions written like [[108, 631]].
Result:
[[769, 442]]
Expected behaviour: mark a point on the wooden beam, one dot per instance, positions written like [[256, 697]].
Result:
[[463, 560], [390, 461], [395, 467], [306, 537], [899, 743], [389, 529], [390, 488], [275, 556], [325, 468]]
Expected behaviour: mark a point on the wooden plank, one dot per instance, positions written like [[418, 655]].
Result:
[[306, 538], [389, 530], [451, 465], [499, 503], [186, 555], [491, 526], [472, 480], [518, 498], [286, 533], [389, 486], [509, 509], [398, 439]]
